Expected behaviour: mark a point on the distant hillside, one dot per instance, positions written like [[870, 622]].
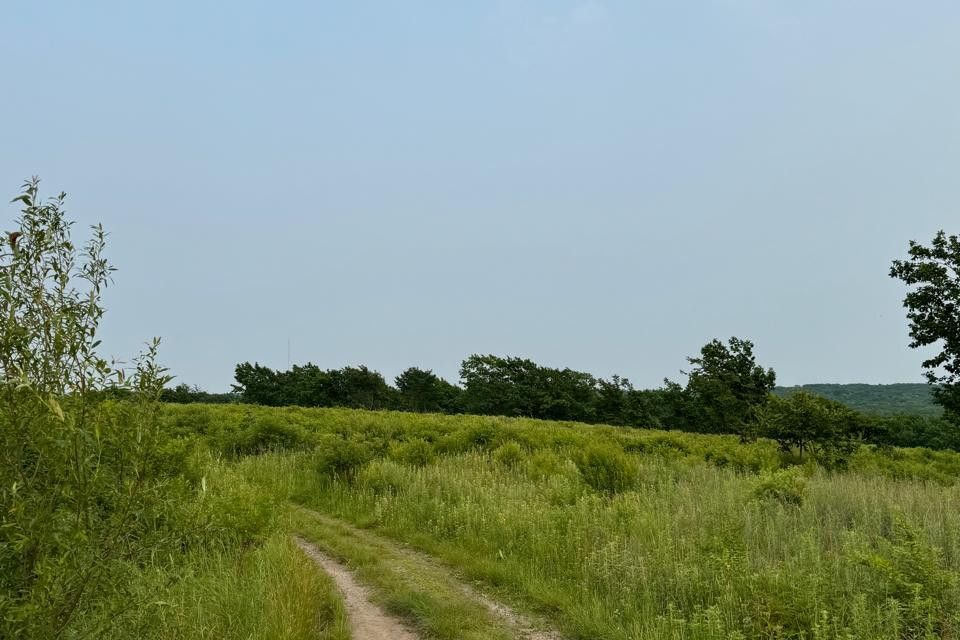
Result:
[[882, 399]]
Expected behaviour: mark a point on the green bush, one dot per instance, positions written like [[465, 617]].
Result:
[[509, 454], [383, 477], [908, 570], [341, 458], [606, 468], [82, 470], [231, 507], [786, 486], [543, 464], [259, 433], [417, 453]]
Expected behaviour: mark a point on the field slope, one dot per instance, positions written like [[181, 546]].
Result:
[[621, 533]]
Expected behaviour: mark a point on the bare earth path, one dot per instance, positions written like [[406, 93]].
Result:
[[405, 561], [367, 620]]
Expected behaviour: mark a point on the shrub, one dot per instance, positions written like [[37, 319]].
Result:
[[417, 453], [785, 486], [606, 468], [383, 477], [509, 454], [911, 572], [476, 436], [231, 507], [543, 464], [260, 432], [80, 467], [341, 458]]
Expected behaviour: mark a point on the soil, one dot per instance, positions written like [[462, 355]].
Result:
[[367, 620]]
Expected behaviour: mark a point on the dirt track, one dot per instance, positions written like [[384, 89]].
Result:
[[370, 622], [367, 620]]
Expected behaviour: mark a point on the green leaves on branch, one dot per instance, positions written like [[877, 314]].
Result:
[[78, 436], [933, 309]]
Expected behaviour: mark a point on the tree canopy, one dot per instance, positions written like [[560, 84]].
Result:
[[933, 309]]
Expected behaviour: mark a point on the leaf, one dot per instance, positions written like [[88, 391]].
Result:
[[25, 199], [55, 407]]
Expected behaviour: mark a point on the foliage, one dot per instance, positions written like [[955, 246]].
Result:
[[640, 533], [785, 486], [811, 424], [933, 309], [509, 454], [416, 452], [725, 394], [185, 394], [915, 399], [310, 386], [726, 387], [114, 521], [425, 391], [81, 476], [606, 468]]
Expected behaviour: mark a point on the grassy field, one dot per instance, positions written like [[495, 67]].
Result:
[[619, 533]]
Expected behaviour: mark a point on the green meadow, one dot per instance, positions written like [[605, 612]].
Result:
[[606, 532]]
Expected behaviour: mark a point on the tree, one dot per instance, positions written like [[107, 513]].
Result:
[[498, 386], [618, 403], [257, 384], [360, 388], [423, 390], [520, 387], [826, 429], [726, 387], [933, 309]]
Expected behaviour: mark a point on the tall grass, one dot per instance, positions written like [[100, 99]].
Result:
[[271, 591], [633, 534]]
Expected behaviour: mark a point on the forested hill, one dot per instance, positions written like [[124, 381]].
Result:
[[882, 399]]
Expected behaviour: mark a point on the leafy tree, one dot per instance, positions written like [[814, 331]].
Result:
[[186, 394], [361, 388], [257, 384], [519, 387], [726, 387], [79, 471], [310, 386], [933, 309], [422, 390], [498, 386], [618, 403], [813, 424]]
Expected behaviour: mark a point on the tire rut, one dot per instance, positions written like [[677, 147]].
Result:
[[367, 620], [522, 625]]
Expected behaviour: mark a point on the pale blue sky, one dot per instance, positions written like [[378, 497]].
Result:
[[600, 185]]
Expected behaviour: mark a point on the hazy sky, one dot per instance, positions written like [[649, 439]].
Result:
[[599, 185]]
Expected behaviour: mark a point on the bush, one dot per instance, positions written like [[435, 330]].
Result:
[[81, 471], [509, 454], [230, 507], [911, 572], [607, 468], [543, 464], [341, 458], [383, 477], [786, 486], [417, 453]]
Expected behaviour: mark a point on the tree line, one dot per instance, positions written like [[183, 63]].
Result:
[[726, 392]]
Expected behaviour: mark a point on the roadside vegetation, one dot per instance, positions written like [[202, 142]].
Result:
[[110, 528]]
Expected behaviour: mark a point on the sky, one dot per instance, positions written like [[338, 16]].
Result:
[[591, 184]]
